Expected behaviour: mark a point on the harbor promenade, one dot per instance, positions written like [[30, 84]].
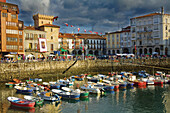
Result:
[[56, 68]]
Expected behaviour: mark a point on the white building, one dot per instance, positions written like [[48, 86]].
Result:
[[151, 33]]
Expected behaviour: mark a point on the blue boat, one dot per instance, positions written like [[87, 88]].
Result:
[[23, 90], [109, 88], [55, 86]]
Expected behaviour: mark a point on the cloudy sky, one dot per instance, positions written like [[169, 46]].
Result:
[[97, 15]]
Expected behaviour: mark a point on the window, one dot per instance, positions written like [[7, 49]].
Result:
[[166, 34], [13, 16], [140, 42], [14, 47], [166, 27], [4, 15], [14, 8], [27, 35], [30, 45], [51, 37], [20, 32], [41, 22], [20, 48], [5, 6], [20, 40], [51, 29], [11, 39], [51, 47], [11, 23], [9, 31]]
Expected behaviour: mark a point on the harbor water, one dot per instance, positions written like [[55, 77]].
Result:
[[150, 99]]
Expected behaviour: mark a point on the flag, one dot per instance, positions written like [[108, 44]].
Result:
[[135, 47], [55, 18], [85, 30], [66, 24], [90, 31], [96, 32], [78, 29], [72, 26]]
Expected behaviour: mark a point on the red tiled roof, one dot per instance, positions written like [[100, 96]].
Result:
[[152, 14], [86, 36], [29, 28], [49, 25]]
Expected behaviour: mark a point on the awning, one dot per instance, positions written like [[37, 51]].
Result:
[[63, 50]]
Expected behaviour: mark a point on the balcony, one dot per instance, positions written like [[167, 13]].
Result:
[[31, 50]]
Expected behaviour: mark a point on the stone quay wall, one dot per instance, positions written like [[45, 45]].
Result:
[[53, 68]]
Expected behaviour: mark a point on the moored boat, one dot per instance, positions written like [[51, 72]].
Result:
[[37, 100], [21, 102], [24, 90], [48, 96]]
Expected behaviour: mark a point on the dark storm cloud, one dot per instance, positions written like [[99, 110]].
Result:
[[101, 15]]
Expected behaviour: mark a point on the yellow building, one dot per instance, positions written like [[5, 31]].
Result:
[[113, 42], [45, 23]]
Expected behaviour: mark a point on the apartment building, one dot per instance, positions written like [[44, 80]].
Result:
[[45, 23], [31, 41], [113, 42], [11, 33], [151, 33], [83, 44]]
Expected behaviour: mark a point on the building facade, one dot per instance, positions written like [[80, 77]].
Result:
[[82, 44], [125, 40], [151, 33], [113, 43], [31, 41], [11, 39], [45, 23]]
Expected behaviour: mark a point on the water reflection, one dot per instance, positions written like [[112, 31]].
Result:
[[143, 99]]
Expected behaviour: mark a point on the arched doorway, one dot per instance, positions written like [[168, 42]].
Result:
[[118, 51], [125, 50], [79, 52], [109, 52], [150, 51], [90, 52], [140, 51], [96, 53], [157, 50], [113, 51], [133, 51], [145, 51], [68, 52], [74, 52], [166, 51]]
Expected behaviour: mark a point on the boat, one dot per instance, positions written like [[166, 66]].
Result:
[[37, 100], [158, 82], [54, 86], [90, 89], [66, 95], [9, 84], [139, 83], [122, 85], [25, 90], [83, 94], [48, 96], [21, 102]]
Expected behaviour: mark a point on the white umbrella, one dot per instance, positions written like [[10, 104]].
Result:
[[30, 55], [51, 55], [11, 56]]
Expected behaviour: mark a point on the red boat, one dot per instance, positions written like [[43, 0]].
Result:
[[158, 82], [21, 102], [140, 83]]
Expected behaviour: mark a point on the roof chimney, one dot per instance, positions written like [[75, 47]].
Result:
[[162, 10]]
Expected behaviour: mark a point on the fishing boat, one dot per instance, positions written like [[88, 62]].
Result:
[[48, 96], [139, 83], [37, 100], [55, 86], [24, 90], [130, 84], [66, 95], [90, 89], [83, 94], [9, 84], [20, 102]]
